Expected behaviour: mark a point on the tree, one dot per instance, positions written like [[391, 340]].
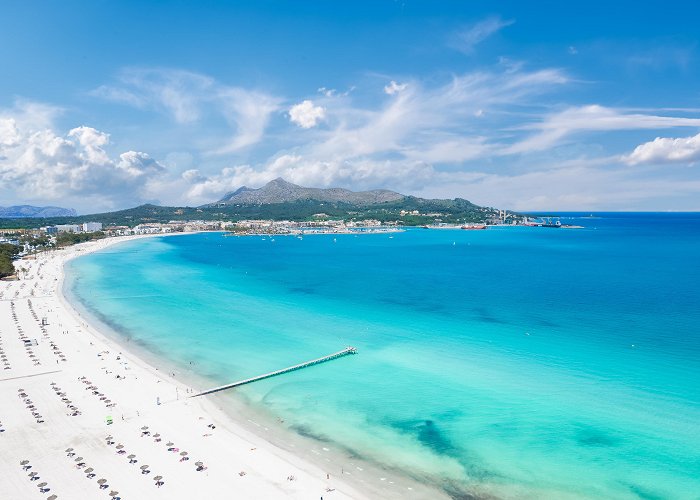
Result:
[[7, 253]]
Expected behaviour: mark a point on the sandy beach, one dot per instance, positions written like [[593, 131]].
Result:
[[83, 417]]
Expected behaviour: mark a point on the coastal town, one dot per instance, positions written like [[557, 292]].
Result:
[[31, 240]]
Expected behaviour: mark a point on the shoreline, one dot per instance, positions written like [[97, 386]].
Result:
[[253, 437]]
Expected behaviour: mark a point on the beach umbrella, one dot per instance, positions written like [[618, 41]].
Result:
[[41, 485], [113, 493], [144, 467], [68, 450], [120, 446], [79, 459], [101, 481], [156, 435], [32, 474], [183, 453], [169, 443], [24, 462], [144, 428], [199, 464], [158, 478], [52, 497], [88, 470], [109, 437]]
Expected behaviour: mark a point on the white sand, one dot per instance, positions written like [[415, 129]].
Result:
[[238, 464]]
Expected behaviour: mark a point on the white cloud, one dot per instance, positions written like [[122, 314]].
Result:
[[92, 142], [335, 93], [450, 139], [576, 188], [419, 119], [136, 164], [394, 88], [250, 111], [9, 135], [306, 114], [555, 127], [118, 95], [190, 97], [41, 163], [327, 92], [666, 150], [356, 174], [467, 39]]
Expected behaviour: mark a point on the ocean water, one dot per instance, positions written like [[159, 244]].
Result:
[[514, 362]]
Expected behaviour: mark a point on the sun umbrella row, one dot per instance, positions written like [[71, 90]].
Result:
[[94, 389], [73, 410], [184, 456], [145, 469], [30, 406], [34, 476], [90, 473]]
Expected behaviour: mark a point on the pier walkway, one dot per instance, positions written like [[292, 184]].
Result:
[[335, 355]]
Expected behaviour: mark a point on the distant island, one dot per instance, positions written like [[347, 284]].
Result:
[[281, 200], [29, 211]]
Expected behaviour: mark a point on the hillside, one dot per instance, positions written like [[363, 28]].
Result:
[[31, 211], [281, 191], [281, 200]]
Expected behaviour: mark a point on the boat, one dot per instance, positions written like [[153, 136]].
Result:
[[551, 222], [475, 226]]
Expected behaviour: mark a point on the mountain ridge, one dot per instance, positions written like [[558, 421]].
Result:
[[281, 191], [30, 211]]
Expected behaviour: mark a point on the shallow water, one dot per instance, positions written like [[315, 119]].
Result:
[[521, 362]]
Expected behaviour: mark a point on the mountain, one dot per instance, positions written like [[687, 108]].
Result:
[[31, 212], [281, 200], [281, 191]]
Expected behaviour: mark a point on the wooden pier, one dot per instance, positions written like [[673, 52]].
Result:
[[335, 355]]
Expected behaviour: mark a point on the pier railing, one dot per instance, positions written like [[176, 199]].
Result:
[[335, 355]]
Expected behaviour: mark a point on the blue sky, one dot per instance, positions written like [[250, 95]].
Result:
[[524, 105]]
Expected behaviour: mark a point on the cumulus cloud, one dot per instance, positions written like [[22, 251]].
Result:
[[306, 114], [41, 163], [468, 38], [9, 135], [394, 88], [666, 150]]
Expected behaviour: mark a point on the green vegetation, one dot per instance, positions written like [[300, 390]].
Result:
[[67, 239], [36, 241], [457, 211], [7, 253]]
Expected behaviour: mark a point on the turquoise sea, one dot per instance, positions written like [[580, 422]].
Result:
[[513, 362]]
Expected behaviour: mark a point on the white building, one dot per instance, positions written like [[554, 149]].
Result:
[[89, 227], [68, 228]]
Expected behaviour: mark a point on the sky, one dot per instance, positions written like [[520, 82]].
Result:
[[583, 106]]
